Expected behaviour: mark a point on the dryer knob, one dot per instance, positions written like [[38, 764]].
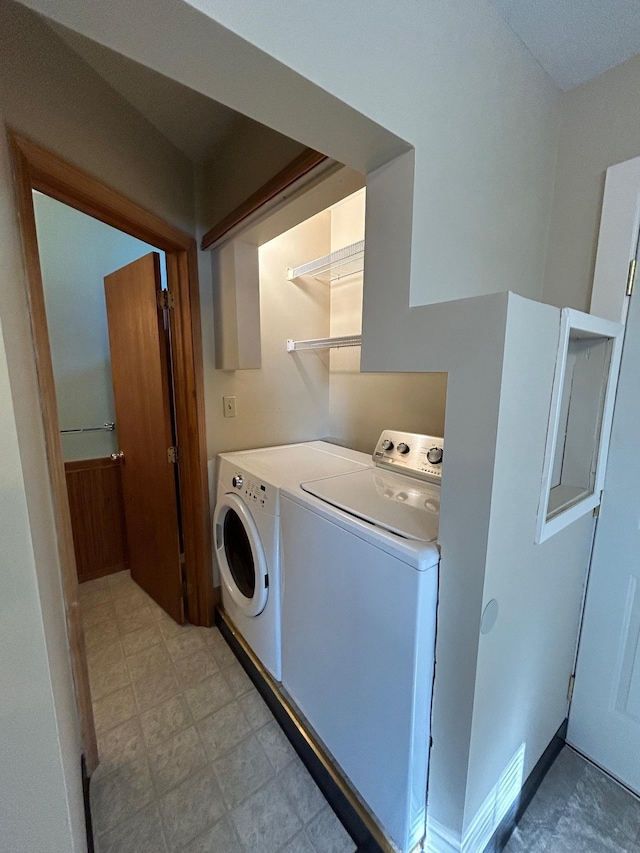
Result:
[[387, 444], [434, 455], [403, 448], [237, 481]]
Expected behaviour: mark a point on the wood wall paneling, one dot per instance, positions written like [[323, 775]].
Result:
[[94, 487]]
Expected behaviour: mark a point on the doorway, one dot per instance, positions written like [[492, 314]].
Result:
[[110, 337], [39, 170]]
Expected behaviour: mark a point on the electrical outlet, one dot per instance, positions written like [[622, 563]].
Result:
[[229, 407]]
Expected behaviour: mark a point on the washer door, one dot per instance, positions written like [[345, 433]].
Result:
[[240, 555]]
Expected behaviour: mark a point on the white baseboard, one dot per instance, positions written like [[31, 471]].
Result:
[[488, 817], [440, 839]]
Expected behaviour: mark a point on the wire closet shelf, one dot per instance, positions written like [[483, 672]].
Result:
[[325, 343], [339, 264], [343, 262]]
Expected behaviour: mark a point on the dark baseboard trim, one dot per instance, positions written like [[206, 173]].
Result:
[[86, 787], [339, 802], [512, 818]]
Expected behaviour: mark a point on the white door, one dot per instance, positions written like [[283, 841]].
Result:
[[604, 721]]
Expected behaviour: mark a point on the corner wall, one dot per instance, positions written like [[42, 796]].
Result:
[[525, 661], [40, 795], [600, 127]]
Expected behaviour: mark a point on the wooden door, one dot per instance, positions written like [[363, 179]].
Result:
[[143, 400]]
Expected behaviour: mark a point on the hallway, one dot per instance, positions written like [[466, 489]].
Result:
[[191, 758]]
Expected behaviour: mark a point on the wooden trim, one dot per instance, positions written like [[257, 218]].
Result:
[[86, 464], [56, 177], [186, 347], [54, 456], [37, 168], [303, 163]]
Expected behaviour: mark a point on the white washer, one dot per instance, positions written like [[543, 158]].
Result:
[[360, 586], [247, 532]]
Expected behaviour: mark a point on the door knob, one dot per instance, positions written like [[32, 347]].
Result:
[[118, 457]]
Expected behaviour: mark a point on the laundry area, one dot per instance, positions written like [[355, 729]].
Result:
[[288, 315], [329, 556], [328, 548], [323, 472]]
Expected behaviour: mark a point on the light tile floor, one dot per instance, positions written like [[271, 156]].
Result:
[[191, 758], [578, 809]]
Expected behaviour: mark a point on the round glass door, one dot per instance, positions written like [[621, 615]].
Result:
[[240, 555], [237, 550]]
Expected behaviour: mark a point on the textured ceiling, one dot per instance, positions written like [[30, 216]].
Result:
[[575, 40]]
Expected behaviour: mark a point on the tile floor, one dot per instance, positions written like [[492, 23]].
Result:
[[578, 809], [191, 758]]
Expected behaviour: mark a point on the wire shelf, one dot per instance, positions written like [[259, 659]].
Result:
[[338, 264], [325, 343]]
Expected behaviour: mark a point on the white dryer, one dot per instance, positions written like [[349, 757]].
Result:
[[246, 527], [360, 565]]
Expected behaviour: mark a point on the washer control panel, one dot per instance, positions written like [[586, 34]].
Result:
[[411, 453]]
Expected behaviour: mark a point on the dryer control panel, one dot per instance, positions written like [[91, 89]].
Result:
[[411, 453], [255, 493]]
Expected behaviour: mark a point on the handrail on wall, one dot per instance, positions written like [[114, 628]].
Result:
[[107, 427]]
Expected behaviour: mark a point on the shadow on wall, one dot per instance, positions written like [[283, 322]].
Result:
[[363, 404]]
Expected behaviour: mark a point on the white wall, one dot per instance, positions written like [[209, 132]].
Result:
[[76, 253], [451, 79], [363, 404], [50, 96], [454, 81], [37, 809], [525, 661], [599, 128]]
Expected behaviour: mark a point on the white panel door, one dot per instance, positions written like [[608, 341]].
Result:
[[604, 721]]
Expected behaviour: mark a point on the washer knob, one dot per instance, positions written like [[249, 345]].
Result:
[[387, 444], [434, 455], [403, 448], [238, 481]]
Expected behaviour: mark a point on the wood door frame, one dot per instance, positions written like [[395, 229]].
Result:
[[35, 168]]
